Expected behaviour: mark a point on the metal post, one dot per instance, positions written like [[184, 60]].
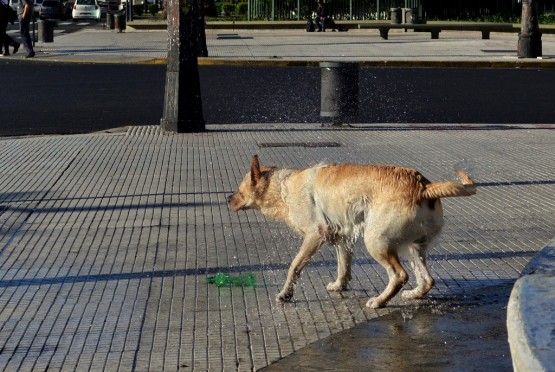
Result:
[[182, 99], [339, 91], [298, 10], [530, 37]]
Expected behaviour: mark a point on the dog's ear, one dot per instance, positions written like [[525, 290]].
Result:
[[255, 170]]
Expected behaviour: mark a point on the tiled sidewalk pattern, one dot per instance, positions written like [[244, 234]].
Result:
[[107, 242]]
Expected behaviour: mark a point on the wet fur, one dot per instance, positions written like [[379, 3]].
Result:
[[391, 207]]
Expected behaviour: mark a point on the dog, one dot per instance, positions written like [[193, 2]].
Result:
[[394, 208]]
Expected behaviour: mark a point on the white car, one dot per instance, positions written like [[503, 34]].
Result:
[[86, 9], [13, 4]]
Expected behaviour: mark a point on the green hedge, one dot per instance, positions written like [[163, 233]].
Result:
[[153, 9], [138, 9], [226, 8], [241, 8]]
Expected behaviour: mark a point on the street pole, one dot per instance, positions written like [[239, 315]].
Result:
[[182, 99], [530, 37]]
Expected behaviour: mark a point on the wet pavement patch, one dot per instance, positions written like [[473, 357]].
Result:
[[463, 334]]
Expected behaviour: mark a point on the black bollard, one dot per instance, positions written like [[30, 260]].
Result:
[[339, 91], [530, 37], [46, 31], [182, 99]]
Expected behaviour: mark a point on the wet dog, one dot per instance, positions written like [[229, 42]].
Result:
[[392, 207]]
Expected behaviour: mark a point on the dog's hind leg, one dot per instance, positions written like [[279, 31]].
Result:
[[344, 258], [386, 256], [310, 245], [424, 281]]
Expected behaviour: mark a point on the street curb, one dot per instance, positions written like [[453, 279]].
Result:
[[520, 63], [530, 315], [207, 61], [204, 61]]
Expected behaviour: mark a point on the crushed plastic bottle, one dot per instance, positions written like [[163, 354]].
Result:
[[241, 280]]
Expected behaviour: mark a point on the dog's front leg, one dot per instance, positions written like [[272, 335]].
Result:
[[310, 245], [344, 258]]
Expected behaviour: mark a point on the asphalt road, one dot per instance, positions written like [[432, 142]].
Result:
[[44, 98]]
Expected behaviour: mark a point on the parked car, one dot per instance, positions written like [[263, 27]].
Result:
[[86, 9], [67, 10], [36, 7], [13, 4], [51, 9]]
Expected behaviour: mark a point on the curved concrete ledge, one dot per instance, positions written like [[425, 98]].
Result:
[[531, 314]]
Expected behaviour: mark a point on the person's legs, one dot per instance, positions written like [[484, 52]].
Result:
[[13, 43], [26, 37], [3, 39], [6, 45], [318, 23]]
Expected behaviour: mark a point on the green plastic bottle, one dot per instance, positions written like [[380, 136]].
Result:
[[240, 280]]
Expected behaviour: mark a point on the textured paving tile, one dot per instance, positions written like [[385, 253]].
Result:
[[106, 242]]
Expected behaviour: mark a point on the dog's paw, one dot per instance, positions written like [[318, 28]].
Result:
[[374, 303], [336, 287], [284, 296], [412, 294]]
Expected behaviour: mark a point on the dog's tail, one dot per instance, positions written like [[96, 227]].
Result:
[[446, 189]]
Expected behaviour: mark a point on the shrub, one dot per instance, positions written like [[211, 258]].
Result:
[[138, 9], [226, 8], [547, 18], [241, 8], [153, 9]]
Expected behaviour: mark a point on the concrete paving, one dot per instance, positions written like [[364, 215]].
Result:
[[454, 48], [108, 239]]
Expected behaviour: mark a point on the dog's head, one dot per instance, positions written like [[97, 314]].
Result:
[[251, 190]]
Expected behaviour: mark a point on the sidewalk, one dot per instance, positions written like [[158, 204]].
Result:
[[108, 240], [283, 47]]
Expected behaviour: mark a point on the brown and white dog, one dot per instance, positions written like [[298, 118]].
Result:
[[392, 207]]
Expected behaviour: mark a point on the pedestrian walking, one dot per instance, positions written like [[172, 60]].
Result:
[[7, 14], [25, 14]]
